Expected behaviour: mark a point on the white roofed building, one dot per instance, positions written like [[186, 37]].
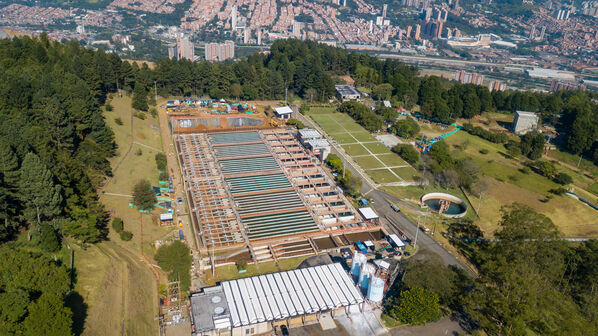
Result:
[[283, 112], [259, 304]]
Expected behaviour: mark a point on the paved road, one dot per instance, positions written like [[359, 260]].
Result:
[[382, 207]]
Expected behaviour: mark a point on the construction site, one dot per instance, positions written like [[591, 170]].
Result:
[[255, 193]]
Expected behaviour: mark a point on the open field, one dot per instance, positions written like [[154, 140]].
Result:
[[230, 272], [368, 152], [115, 278], [321, 110], [507, 183], [119, 291]]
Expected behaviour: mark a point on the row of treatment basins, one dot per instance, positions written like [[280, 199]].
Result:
[[330, 243]]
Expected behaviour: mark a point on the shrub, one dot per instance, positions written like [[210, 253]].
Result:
[[484, 151], [126, 235], [484, 134], [108, 107], [140, 115], [161, 161], [163, 176], [405, 128], [295, 123], [558, 191], [138, 152], [563, 179], [241, 264], [407, 152], [117, 224], [154, 112], [118, 121]]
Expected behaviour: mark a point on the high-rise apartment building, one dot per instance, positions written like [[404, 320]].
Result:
[[384, 8], [217, 52], [233, 18], [185, 48], [469, 78]]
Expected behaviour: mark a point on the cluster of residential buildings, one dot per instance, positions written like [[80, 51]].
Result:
[[469, 78], [219, 51], [32, 15], [151, 6], [182, 49]]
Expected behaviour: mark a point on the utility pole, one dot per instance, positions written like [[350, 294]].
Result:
[[416, 232], [578, 162]]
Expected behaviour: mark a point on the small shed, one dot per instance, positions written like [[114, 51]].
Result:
[[166, 217], [283, 112], [368, 214], [394, 240]]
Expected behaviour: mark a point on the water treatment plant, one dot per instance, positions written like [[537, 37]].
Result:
[[445, 204]]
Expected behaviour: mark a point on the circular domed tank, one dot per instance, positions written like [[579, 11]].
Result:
[[445, 204], [367, 271]]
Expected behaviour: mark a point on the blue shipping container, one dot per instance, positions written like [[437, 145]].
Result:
[[361, 247]]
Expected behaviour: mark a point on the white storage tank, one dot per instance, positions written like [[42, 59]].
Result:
[[376, 289], [358, 260], [367, 271]]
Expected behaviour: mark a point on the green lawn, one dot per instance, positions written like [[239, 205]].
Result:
[[343, 138], [363, 136], [406, 173], [321, 110], [229, 272], [377, 148], [392, 160], [368, 162], [383, 176], [594, 188], [355, 150]]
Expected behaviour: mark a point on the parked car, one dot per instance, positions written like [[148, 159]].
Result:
[[395, 208], [180, 200]]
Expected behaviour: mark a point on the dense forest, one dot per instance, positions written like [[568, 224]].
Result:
[[527, 283], [54, 146]]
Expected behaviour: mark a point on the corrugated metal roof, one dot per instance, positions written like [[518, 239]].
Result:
[[280, 295]]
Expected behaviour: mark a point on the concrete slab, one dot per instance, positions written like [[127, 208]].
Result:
[[389, 140], [359, 324], [326, 322]]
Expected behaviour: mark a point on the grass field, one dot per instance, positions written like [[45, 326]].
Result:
[[116, 282], [321, 110], [368, 152], [230, 272], [507, 183], [355, 150]]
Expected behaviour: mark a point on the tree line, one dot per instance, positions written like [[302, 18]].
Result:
[[527, 283]]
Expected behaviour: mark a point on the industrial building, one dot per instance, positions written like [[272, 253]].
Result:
[[315, 142], [261, 304], [283, 112], [524, 122], [347, 92]]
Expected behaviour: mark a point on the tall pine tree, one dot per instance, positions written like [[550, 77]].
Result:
[[39, 194], [9, 182], [139, 97]]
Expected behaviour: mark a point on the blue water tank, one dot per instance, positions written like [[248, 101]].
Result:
[[367, 271], [358, 260], [376, 290]]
